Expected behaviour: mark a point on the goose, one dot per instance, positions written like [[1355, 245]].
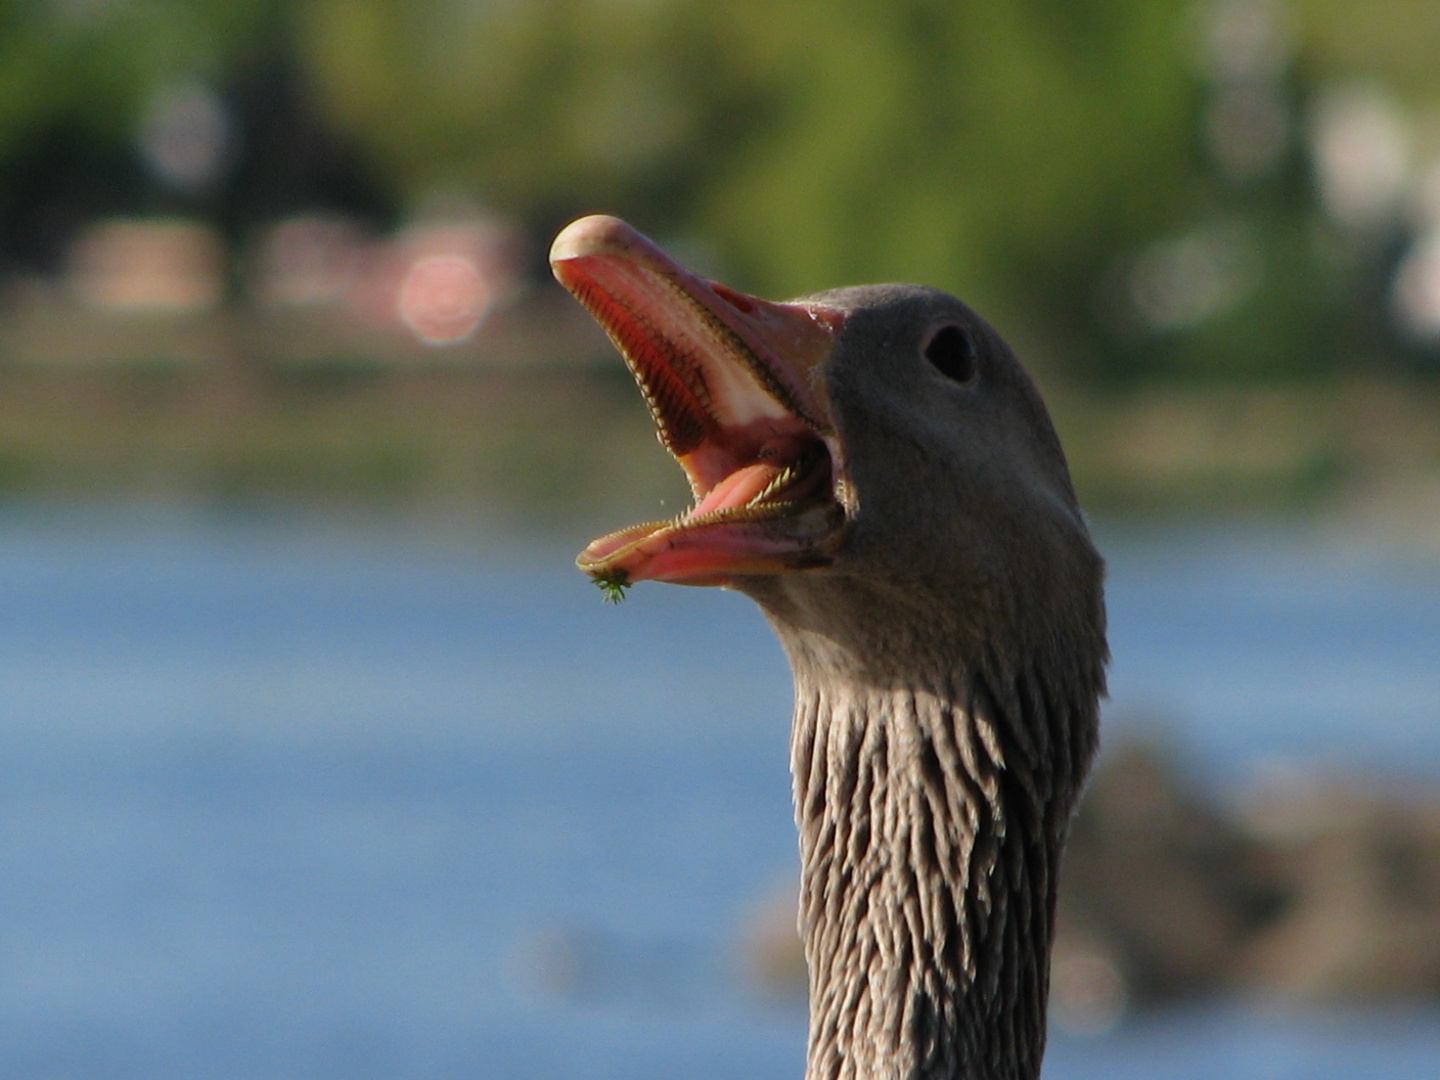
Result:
[[875, 469]]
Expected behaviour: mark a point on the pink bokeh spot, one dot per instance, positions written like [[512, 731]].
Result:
[[443, 298]]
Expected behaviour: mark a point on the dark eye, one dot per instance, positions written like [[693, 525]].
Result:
[[952, 351]]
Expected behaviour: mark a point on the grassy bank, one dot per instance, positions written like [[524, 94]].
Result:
[[536, 418], [564, 441]]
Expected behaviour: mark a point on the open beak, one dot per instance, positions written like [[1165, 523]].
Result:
[[736, 386]]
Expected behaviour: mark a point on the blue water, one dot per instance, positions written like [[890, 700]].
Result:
[[305, 799], [1258, 648]]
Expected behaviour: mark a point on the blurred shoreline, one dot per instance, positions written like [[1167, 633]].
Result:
[[532, 415]]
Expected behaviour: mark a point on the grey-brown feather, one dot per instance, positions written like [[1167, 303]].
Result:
[[947, 673]]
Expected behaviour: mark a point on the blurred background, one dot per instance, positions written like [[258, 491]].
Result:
[[318, 759]]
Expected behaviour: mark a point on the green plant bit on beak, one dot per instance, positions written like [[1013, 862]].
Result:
[[613, 584]]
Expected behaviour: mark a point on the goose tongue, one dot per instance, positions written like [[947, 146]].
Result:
[[736, 490], [735, 385]]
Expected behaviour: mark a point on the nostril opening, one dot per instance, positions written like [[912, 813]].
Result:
[[739, 301]]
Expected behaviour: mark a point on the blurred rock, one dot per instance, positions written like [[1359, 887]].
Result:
[[1361, 868], [1157, 878], [1088, 995], [773, 959], [1313, 888]]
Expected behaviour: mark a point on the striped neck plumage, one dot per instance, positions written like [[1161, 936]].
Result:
[[931, 819]]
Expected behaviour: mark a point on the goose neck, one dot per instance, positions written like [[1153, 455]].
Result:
[[930, 830]]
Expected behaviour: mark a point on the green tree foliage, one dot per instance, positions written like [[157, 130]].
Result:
[[1003, 151], [91, 62], [1023, 155]]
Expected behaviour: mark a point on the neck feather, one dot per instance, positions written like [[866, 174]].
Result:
[[931, 819]]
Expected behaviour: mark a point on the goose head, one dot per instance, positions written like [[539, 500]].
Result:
[[875, 468], [881, 441]]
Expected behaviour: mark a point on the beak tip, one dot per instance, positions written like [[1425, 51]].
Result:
[[597, 234]]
